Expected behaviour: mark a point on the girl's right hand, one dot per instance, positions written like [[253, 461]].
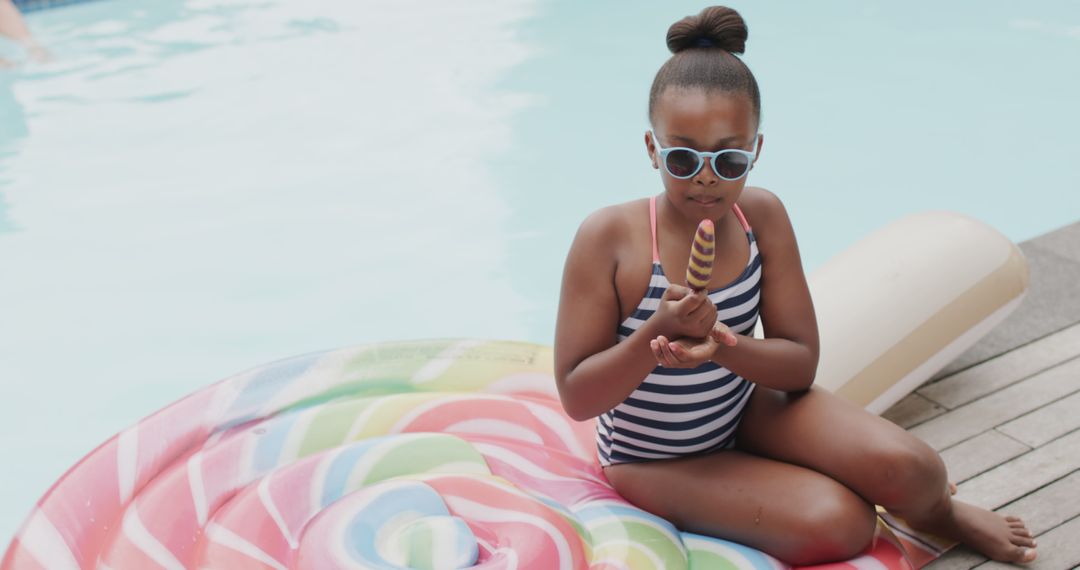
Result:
[[685, 313]]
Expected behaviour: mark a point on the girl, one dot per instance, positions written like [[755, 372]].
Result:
[[700, 423]]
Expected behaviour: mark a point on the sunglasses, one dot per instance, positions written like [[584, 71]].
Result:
[[729, 164]]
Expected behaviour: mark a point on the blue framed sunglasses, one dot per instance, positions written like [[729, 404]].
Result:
[[682, 163]]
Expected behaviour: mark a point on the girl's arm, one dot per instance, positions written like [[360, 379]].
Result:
[[786, 359], [593, 373]]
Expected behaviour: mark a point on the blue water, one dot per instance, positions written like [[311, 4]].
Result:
[[194, 187]]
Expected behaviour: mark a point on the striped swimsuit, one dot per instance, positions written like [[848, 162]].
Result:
[[678, 412]]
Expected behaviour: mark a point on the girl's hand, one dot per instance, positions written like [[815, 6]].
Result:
[[685, 313], [722, 334], [691, 353]]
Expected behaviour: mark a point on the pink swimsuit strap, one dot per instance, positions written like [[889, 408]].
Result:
[[652, 225]]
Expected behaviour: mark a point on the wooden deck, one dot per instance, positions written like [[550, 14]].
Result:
[[1006, 415]]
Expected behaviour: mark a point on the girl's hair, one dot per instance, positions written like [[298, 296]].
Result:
[[704, 48]]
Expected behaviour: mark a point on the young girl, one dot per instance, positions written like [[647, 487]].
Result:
[[700, 423]]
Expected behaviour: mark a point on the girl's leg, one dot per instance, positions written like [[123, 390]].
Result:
[[878, 460], [795, 514]]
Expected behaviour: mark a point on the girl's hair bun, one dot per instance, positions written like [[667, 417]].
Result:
[[715, 26]]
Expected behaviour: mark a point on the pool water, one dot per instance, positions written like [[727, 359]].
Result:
[[191, 188]]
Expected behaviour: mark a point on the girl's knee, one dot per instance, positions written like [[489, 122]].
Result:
[[909, 471], [837, 525]]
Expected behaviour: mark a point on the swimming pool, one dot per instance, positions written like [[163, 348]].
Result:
[[196, 187]]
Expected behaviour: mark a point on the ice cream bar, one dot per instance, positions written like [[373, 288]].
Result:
[[702, 253]]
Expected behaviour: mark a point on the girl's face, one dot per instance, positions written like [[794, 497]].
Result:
[[708, 122]]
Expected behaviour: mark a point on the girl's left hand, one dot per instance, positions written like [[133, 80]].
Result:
[[691, 353]]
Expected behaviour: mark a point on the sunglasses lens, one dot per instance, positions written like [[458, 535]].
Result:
[[682, 163], [732, 165]]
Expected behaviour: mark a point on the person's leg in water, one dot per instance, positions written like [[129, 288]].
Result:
[[879, 461], [13, 27]]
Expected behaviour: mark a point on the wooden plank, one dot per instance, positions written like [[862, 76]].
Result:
[[979, 454], [912, 410], [981, 415], [1024, 474], [1047, 423], [1058, 549], [959, 558], [997, 373], [1050, 506], [1064, 241]]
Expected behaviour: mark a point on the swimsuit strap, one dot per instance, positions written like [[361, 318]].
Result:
[[652, 225], [742, 218]]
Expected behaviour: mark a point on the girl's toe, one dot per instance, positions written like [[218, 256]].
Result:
[[1021, 541]]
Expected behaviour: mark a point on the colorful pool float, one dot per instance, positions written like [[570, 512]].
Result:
[[426, 454], [437, 454]]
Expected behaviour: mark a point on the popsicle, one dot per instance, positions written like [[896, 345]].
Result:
[[702, 253]]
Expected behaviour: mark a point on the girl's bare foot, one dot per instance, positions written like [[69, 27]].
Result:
[[1003, 538]]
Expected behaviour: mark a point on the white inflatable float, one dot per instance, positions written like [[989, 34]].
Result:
[[456, 453], [908, 299]]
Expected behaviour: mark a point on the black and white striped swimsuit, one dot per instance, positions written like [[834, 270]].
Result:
[[678, 412]]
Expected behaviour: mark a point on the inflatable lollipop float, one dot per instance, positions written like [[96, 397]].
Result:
[[457, 454]]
